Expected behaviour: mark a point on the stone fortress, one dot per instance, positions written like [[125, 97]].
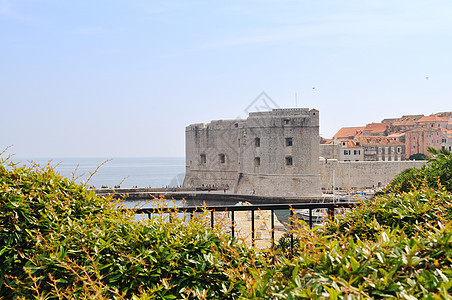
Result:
[[270, 153], [275, 153]]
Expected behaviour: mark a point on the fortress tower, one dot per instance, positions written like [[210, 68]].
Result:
[[271, 153]]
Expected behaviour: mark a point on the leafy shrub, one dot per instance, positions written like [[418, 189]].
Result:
[[436, 174], [405, 211], [59, 240], [418, 156], [393, 266]]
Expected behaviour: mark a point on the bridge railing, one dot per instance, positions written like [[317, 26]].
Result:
[[330, 208]]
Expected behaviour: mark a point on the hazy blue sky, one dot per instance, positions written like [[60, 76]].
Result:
[[124, 77]]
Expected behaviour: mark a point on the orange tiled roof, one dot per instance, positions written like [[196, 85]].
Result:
[[404, 123], [350, 143], [433, 118], [376, 127], [380, 140], [346, 132], [396, 135], [418, 129], [410, 118]]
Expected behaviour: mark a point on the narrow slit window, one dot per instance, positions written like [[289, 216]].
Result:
[[289, 142], [289, 161], [257, 161], [257, 142], [222, 158], [203, 158]]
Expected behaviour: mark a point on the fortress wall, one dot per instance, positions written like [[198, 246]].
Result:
[[362, 174], [205, 143], [279, 185]]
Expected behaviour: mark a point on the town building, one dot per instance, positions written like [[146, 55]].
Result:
[[396, 139]]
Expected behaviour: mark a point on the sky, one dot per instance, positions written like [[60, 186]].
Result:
[[123, 78]]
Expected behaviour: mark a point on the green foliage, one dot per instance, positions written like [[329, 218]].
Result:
[[418, 156], [436, 174], [59, 240], [397, 246], [392, 266], [407, 212]]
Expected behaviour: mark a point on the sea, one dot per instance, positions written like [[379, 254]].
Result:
[[155, 172]]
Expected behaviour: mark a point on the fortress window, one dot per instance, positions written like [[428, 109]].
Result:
[[257, 142], [288, 142], [257, 161], [289, 161], [286, 121], [203, 158], [222, 158]]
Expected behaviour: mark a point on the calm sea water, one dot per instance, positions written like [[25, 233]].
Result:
[[129, 172]]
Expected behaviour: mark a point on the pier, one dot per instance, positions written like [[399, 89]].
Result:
[[195, 197]]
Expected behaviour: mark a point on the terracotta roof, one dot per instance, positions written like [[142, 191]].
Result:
[[447, 114], [346, 132], [350, 143], [425, 129], [378, 140], [433, 118], [396, 134], [376, 127], [404, 123], [411, 117]]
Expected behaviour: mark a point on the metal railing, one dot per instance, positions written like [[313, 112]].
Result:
[[330, 207]]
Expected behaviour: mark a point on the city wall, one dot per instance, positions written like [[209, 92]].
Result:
[[361, 174]]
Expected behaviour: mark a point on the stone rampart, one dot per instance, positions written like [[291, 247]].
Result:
[[362, 174]]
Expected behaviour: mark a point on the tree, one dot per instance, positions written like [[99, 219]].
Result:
[[418, 156]]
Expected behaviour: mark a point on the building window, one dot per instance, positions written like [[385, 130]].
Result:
[[257, 142], [357, 152], [380, 150], [257, 161], [286, 121], [288, 142], [443, 140], [222, 158], [392, 149], [399, 149], [346, 152], [203, 158], [289, 161]]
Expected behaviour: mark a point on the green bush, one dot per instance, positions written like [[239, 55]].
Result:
[[418, 156], [405, 211], [436, 174], [393, 266], [59, 240]]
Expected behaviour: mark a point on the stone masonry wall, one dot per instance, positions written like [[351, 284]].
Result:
[[362, 174]]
